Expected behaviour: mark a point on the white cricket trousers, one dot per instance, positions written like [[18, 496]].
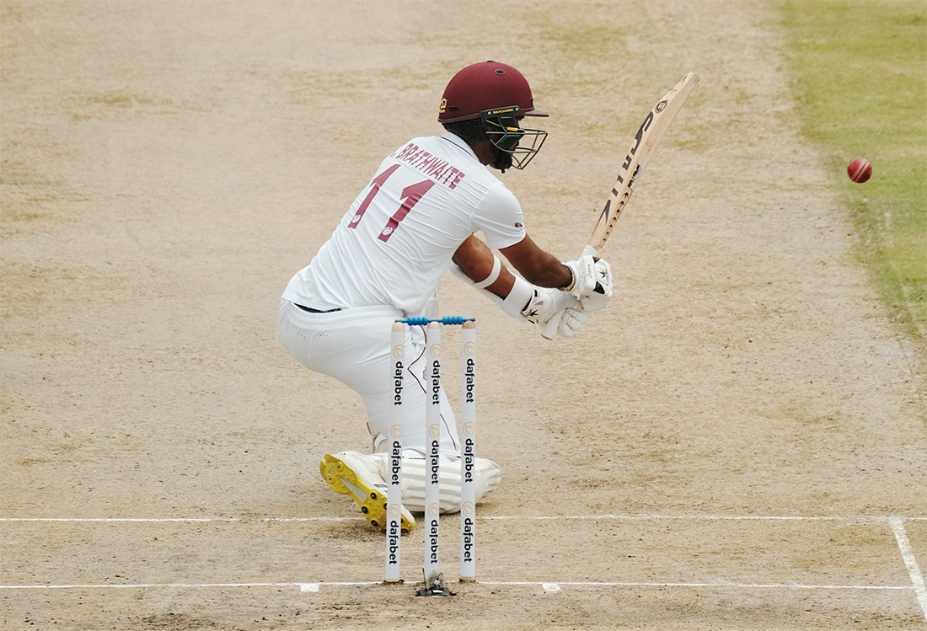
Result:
[[353, 346]]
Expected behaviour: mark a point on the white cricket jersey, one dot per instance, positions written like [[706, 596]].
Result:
[[398, 237]]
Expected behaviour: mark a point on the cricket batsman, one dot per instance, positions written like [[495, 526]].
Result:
[[416, 218]]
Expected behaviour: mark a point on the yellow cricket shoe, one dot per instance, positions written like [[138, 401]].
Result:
[[356, 475]]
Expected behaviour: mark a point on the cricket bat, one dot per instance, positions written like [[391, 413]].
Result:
[[645, 144]]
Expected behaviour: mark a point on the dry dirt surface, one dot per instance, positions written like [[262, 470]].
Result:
[[737, 442]]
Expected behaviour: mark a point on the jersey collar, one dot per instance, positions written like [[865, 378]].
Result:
[[458, 142]]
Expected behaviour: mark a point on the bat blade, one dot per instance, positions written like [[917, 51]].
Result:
[[645, 143]]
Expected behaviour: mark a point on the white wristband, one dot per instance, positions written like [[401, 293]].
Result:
[[493, 275], [572, 278], [521, 293]]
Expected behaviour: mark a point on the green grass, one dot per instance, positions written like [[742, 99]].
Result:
[[859, 76]]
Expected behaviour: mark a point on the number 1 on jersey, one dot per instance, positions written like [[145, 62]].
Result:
[[375, 185], [409, 196]]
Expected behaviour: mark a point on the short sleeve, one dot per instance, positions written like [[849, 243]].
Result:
[[500, 218]]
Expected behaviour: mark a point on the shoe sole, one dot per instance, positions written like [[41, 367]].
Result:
[[372, 501]]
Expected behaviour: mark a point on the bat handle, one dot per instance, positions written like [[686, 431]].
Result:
[[549, 331], [590, 251]]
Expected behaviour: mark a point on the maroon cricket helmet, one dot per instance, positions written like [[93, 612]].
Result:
[[484, 86]]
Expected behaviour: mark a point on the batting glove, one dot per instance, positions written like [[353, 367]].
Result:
[[555, 310], [593, 302], [545, 304], [571, 320], [591, 274]]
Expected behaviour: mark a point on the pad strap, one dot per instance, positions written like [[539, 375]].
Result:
[[493, 275]]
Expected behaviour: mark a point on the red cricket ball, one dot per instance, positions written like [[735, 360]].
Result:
[[859, 170]]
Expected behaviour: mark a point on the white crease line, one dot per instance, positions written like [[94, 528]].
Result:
[[549, 586], [149, 585], [159, 520], [658, 517], [144, 520], [607, 517], [907, 553]]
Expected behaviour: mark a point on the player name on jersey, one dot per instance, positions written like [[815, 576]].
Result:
[[440, 170]]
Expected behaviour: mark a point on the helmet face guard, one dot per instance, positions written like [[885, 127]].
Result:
[[502, 128]]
